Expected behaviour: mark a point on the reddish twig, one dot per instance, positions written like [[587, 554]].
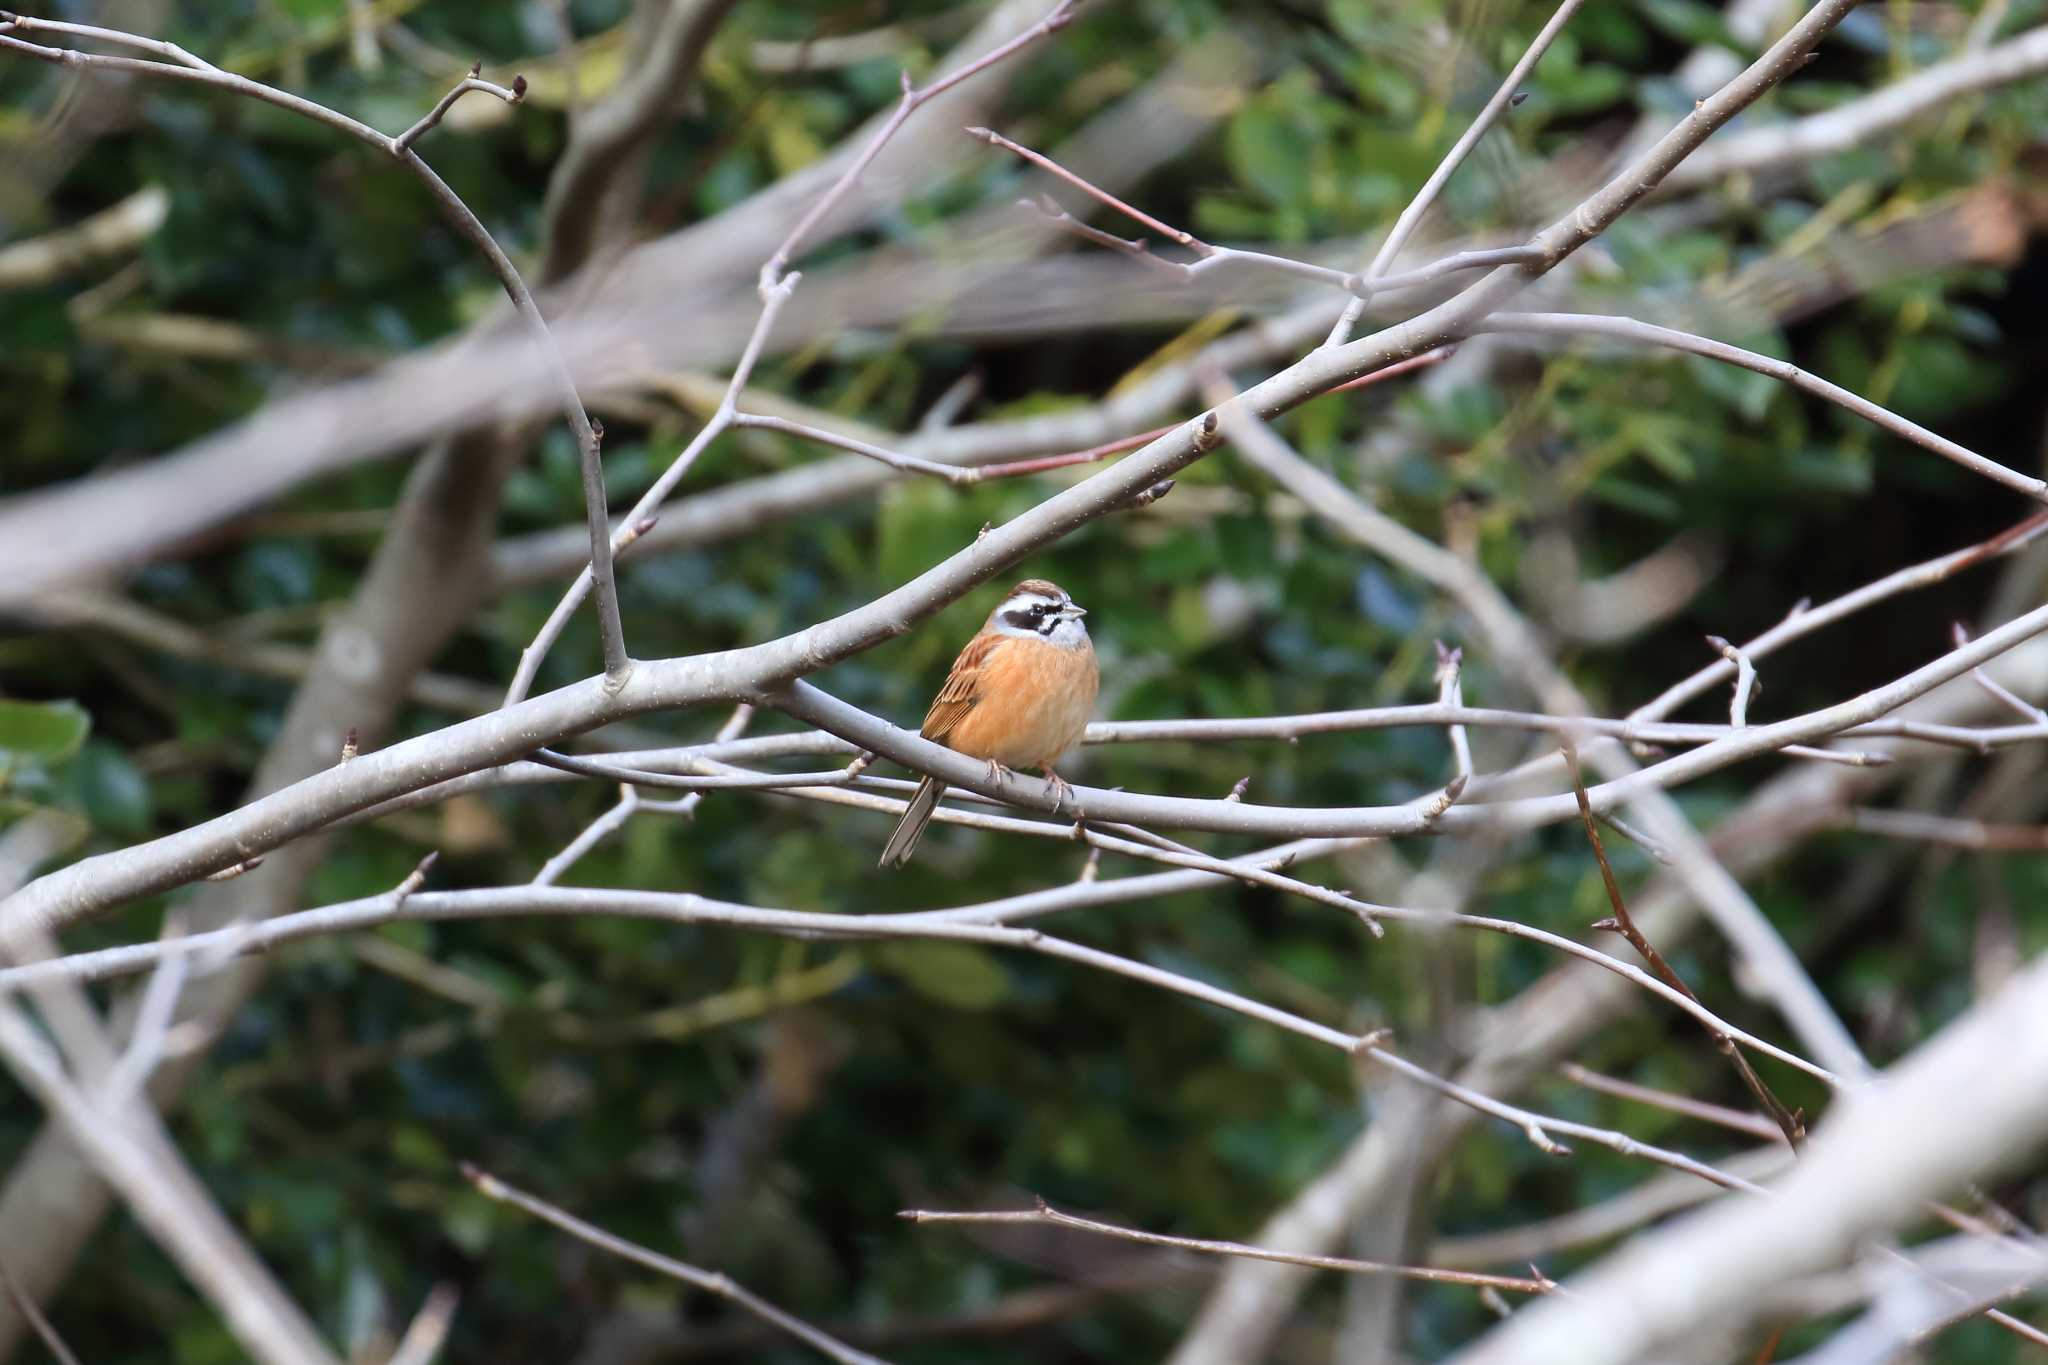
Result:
[[1790, 1121], [1040, 464], [913, 97]]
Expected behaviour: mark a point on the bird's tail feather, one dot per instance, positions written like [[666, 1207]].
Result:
[[910, 828]]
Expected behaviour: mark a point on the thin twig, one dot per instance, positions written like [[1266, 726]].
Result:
[[1411, 216], [1211, 255], [1045, 1214], [1997, 690], [650, 502], [510, 95], [612, 772], [1450, 694], [912, 98], [1789, 1121], [1938, 829], [24, 23], [958, 475], [1039, 464], [32, 1314], [1538, 1128], [1630, 329], [711, 1282], [471, 228], [1806, 619], [1742, 1121], [593, 834], [1746, 684], [153, 1019]]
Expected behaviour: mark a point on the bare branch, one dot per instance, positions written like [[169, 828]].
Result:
[[650, 502], [1858, 121], [472, 230], [24, 23], [512, 95], [1629, 329], [711, 1282], [1806, 619], [1538, 1128], [1211, 255], [1624, 924], [1961, 1108], [2025, 709], [953, 474], [131, 1151], [88, 885], [1411, 216], [1045, 1214], [1937, 829], [1742, 1121], [1635, 1207], [677, 908], [913, 98], [33, 1315], [1518, 647]]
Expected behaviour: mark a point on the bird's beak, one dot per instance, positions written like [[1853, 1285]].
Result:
[[1073, 610]]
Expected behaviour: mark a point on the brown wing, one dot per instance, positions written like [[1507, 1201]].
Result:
[[961, 689]]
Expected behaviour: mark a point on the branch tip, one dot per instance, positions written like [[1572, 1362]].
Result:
[[1146, 497], [228, 874], [518, 88]]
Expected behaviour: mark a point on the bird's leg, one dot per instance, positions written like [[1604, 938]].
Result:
[[997, 772], [1061, 792]]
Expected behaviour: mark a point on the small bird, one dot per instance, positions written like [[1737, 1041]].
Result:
[[1019, 696]]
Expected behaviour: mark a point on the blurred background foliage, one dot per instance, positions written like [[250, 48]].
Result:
[[766, 1106]]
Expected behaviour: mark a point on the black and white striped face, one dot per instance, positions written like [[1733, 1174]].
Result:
[[1042, 613]]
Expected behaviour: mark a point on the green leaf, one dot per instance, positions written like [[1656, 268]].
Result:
[[46, 732], [1691, 22], [109, 789], [957, 974], [1268, 152]]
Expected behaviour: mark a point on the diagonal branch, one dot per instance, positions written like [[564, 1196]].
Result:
[[1629, 329], [1046, 1215], [1789, 1121], [1962, 1108], [711, 1282], [1411, 216], [913, 99], [466, 223]]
